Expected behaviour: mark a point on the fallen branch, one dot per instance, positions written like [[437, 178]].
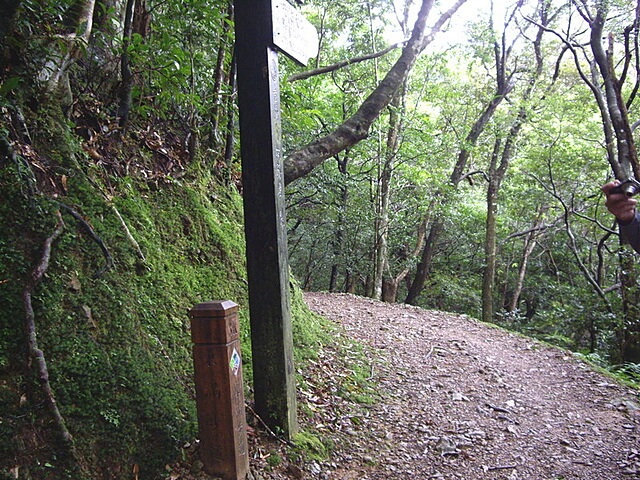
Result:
[[94, 236], [430, 352], [35, 355], [498, 409], [500, 467], [266, 427]]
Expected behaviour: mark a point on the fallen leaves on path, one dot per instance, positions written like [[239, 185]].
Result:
[[461, 399]]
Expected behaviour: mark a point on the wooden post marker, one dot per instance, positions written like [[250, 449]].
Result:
[[259, 33], [219, 390]]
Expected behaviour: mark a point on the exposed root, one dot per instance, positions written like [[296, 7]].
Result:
[[36, 356], [94, 236], [266, 427], [127, 232]]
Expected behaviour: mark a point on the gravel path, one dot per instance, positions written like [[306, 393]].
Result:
[[463, 400]]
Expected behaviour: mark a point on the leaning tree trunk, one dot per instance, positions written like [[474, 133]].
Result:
[[424, 265], [356, 128]]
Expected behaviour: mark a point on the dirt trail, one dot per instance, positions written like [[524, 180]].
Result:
[[465, 400]]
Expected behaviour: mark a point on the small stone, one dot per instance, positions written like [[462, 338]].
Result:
[[295, 471], [459, 397], [447, 446]]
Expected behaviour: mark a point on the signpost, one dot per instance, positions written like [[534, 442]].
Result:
[[259, 31], [292, 33]]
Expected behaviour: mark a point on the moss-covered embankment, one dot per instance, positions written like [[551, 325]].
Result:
[[110, 311], [116, 341]]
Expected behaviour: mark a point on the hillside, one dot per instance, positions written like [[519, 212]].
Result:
[[460, 399]]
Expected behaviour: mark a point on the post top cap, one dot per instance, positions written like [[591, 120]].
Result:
[[214, 308]]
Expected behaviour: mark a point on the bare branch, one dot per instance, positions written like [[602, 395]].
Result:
[[568, 46], [583, 10], [475, 172], [592, 83], [343, 63], [608, 230], [537, 228], [573, 244]]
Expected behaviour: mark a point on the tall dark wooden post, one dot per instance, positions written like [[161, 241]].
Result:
[[265, 228]]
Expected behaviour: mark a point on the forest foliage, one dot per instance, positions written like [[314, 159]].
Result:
[[462, 154]]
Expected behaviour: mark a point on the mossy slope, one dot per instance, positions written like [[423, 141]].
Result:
[[117, 345]]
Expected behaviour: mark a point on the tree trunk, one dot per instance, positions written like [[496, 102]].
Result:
[[390, 285], [437, 227], [390, 290], [615, 118], [627, 155], [529, 245], [424, 266], [628, 332], [65, 50], [384, 192], [338, 241], [219, 75], [229, 144], [497, 173], [488, 277], [126, 75]]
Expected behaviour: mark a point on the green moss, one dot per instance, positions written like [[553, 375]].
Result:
[[310, 330], [118, 346], [309, 446], [274, 459]]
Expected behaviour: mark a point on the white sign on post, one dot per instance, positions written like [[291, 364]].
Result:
[[293, 34]]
